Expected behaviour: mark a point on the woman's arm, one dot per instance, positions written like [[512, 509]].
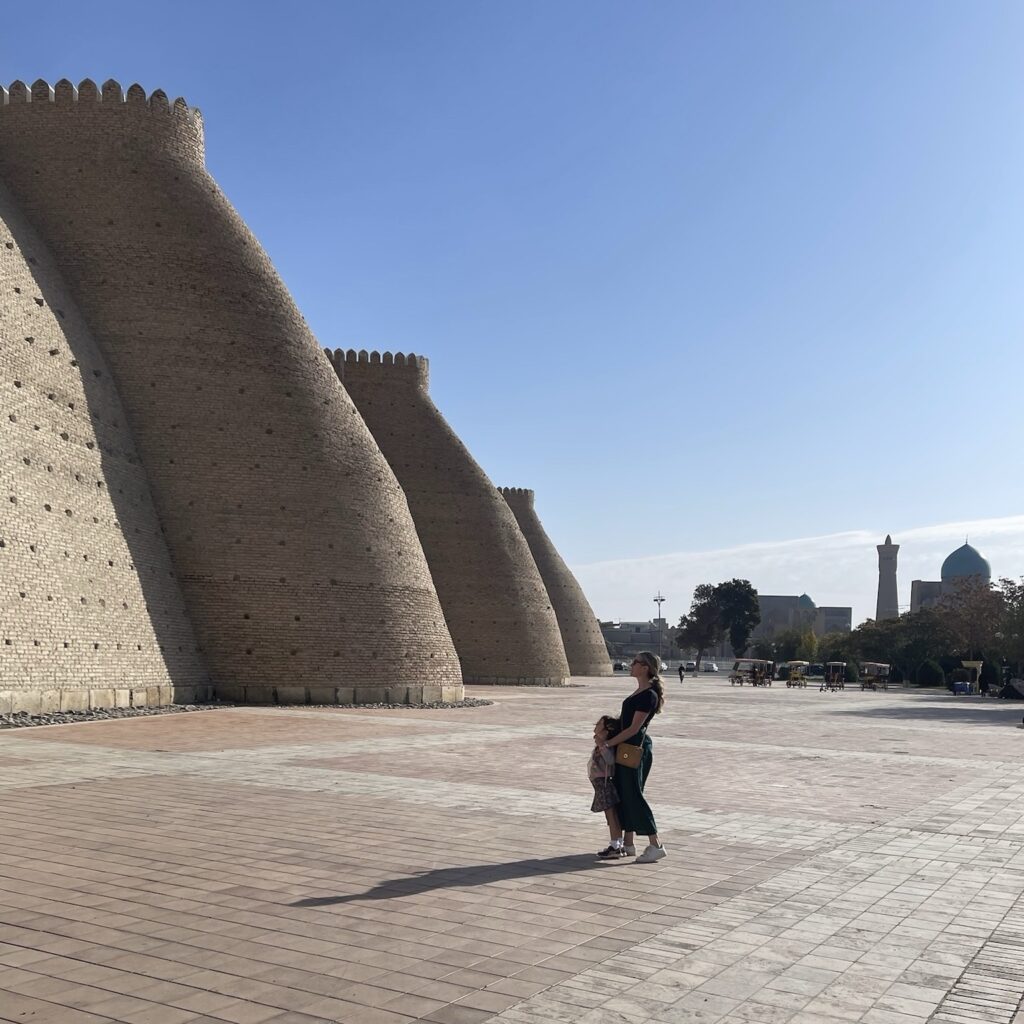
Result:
[[639, 717]]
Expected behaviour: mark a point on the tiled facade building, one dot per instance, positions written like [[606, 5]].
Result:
[[966, 563], [780, 613]]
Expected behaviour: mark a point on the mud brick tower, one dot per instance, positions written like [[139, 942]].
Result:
[[494, 599], [92, 614], [291, 540], [584, 646], [888, 603]]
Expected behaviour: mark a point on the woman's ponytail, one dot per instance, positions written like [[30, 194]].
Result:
[[659, 689], [653, 665]]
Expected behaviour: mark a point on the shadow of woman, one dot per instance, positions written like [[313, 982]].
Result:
[[464, 877]]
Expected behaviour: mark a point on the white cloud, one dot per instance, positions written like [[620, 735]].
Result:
[[837, 569]]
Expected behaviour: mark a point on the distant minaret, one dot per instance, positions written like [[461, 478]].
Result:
[[888, 599]]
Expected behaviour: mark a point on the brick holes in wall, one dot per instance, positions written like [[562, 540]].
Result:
[[66, 590]]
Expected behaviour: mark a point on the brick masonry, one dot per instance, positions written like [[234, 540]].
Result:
[[92, 612], [288, 533], [494, 599], [584, 645]]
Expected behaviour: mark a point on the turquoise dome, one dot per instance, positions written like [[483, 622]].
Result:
[[966, 561], [805, 602]]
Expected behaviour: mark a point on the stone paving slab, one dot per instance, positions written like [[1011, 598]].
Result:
[[833, 857]]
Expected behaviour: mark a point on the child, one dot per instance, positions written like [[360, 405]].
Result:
[[601, 771]]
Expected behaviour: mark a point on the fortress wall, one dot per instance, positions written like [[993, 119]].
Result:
[[493, 597], [293, 542], [91, 614], [584, 645]]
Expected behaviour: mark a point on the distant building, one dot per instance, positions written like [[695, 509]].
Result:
[[780, 613], [924, 594], [833, 619], [624, 639], [963, 564]]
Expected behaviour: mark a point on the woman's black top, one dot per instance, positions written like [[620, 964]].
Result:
[[645, 700]]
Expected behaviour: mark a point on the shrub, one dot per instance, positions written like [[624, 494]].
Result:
[[949, 663], [959, 675], [852, 674], [929, 673]]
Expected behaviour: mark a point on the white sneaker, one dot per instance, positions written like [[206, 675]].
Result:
[[631, 850], [651, 854]]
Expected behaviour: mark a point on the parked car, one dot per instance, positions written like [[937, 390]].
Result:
[[709, 666], [618, 666], [689, 666]]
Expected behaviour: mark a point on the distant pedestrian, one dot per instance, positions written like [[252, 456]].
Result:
[[638, 709], [680, 671]]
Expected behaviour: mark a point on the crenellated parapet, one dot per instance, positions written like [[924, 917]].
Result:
[[88, 114], [520, 495], [380, 367]]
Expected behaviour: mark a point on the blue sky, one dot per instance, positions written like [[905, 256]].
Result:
[[702, 275]]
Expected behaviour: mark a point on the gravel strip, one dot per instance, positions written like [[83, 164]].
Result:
[[23, 720], [468, 702]]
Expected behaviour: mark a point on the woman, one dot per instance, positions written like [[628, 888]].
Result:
[[635, 814]]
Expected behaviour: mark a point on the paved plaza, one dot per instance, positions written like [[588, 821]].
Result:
[[832, 858]]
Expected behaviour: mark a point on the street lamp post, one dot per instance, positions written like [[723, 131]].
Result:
[[658, 599]]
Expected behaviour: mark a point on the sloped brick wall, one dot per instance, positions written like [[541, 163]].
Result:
[[92, 615], [292, 540], [584, 645], [493, 597]]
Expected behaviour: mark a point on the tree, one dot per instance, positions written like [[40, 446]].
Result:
[[702, 628], [904, 643], [807, 649], [921, 637], [836, 646], [740, 612], [874, 640], [786, 643], [972, 613], [929, 673], [1011, 625]]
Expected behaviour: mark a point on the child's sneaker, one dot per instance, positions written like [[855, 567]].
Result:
[[611, 853], [651, 854]]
